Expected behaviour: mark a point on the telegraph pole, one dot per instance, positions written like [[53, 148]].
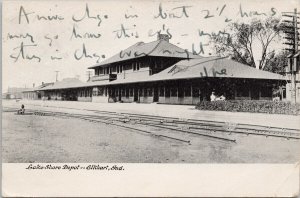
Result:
[[56, 78], [292, 35]]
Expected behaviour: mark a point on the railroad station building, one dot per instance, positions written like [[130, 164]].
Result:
[[164, 73]]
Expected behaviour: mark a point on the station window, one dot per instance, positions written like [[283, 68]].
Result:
[[173, 92], [161, 92], [266, 91], [187, 91], [127, 92], [284, 92], [145, 92], [140, 92], [95, 91], [167, 92], [100, 91], [196, 92], [150, 92], [243, 91], [180, 92], [130, 92]]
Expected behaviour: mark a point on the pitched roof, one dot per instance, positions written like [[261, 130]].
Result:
[[214, 67], [39, 87], [29, 90], [64, 84], [159, 48], [16, 89], [208, 67]]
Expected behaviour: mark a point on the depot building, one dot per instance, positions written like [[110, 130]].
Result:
[[162, 72]]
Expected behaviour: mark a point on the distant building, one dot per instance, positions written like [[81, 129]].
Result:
[[34, 93], [164, 73], [14, 93]]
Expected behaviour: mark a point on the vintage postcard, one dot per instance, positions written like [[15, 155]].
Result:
[[150, 98]]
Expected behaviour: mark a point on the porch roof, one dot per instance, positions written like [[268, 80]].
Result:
[[64, 84], [208, 67], [214, 67]]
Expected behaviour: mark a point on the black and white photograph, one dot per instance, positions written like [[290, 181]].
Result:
[[94, 85]]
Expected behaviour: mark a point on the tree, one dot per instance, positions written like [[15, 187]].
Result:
[[277, 62], [252, 43]]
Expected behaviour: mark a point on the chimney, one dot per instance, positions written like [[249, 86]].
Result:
[[42, 83], [164, 37], [33, 85]]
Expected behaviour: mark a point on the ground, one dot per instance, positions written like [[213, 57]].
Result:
[[33, 138]]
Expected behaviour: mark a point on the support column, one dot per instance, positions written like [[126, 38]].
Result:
[[192, 93], [177, 94]]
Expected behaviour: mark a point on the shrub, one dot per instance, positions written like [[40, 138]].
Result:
[[254, 106]]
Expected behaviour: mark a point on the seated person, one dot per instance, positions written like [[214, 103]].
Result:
[[22, 110], [222, 97]]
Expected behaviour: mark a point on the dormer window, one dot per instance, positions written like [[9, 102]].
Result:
[[136, 66], [101, 71]]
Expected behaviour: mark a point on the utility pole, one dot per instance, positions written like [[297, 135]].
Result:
[[292, 35], [56, 78]]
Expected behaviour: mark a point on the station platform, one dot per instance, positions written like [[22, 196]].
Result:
[[176, 111]]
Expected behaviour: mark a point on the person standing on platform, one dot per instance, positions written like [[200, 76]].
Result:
[[213, 97]]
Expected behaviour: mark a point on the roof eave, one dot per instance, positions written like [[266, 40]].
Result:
[[148, 55]]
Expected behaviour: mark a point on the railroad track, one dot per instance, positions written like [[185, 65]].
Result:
[[171, 128]]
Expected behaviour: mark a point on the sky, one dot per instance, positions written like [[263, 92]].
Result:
[[42, 37]]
